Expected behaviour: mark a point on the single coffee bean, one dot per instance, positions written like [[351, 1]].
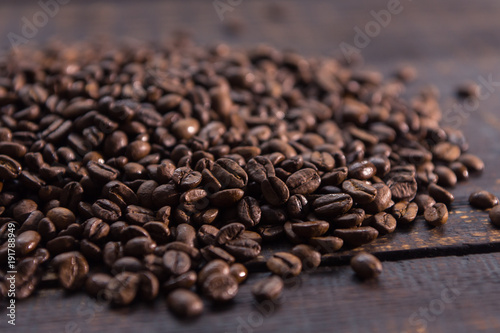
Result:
[[184, 303], [239, 272], [360, 191], [436, 215], [220, 287], [139, 215], [249, 212], [122, 288], [495, 216], [483, 200], [61, 217], [61, 244], [423, 202], [440, 194], [404, 212], [149, 286], [446, 176], [382, 200], [229, 173], [23, 208], [310, 228], [126, 264], [95, 230], [362, 170], [111, 252], [101, 172], [472, 162], [352, 219], [269, 288], [332, 204], [335, 177], [72, 269], [384, 223], [366, 265], [275, 191], [186, 280], [357, 236], [158, 231], [106, 210], [326, 244], [243, 249], [227, 198], [284, 264], [297, 206], [207, 234], [308, 256], [139, 246], [176, 262], [27, 242], [304, 181], [229, 232], [96, 284], [211, 252]]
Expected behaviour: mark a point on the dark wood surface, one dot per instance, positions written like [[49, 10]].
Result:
[[448, 42]]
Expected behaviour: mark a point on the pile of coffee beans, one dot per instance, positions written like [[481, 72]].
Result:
[[140, 171]]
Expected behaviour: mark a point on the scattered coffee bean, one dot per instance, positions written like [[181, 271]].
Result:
[[483, 200], [436, 215], [366, 265], [495, 216], [184, 303], [268, 289]]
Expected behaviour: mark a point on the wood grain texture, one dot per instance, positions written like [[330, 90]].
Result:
[[448, 42]]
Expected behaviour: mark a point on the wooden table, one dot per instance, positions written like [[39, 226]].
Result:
[[444, 279]]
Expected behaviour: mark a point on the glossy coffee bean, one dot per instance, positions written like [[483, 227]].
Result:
[[483, 200], [366, 265], [269, 288], [436, 215]]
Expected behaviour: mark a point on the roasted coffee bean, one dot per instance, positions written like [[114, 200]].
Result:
[[249, 212], [186, 280], [403, 185], [440, 194], [139, 215], [284, 264], [366, 265], [436, 215], [239, 272], [331, 205], [243, 249], [357, 236], [310, 228], [139, 246], [483, 200], [211, 252], [95, 230], [27, 242], [352, 219], [304, 181], [184, 303], [46, 229], [384, 223], [446, 151], [259, 169], [101, 172], [96, 284], [297, 206], [335, 177], [423, 202], [207, 234], [122, 288], [158, 231], [61, 217], [446, 176], [193, 252], [72, 268], [220, 287], [326, 244], [362, 170], [472, 162], [149, 286], [229, 232], [13, 149], [275, 191], [269, 288], [90, 250], [360, 191], [404, 212], [322, 160], [137, 149], [216, 266], [310, 258], [460, 170], [23, 208], [176, 262], [61, 244], [227, 198], [111, 252], [106, 210], [495, 216], [229, 173], [126, 264], [382, 200]]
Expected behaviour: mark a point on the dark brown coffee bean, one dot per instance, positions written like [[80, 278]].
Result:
[[446, 176], [90, 250], [46, 229], [243, 249], [404, 212], [193, 252], [23, 208], [360, 191], [13, 149], [137, 150], [357, 236], [72, 269], [332, 205], [149, 286], [275, 191], [310, 258], [216, 266], [445, 151], [440, 194], [310, 228], [95, 230], [61, 217], [495, 216], [211, 252], [352, 219], [362, 170], [436, 215], [297, 206], [249, 212], [269, 288], [111, 252], [259, 169], [423, 202], [101, 172], [304, 181], [384, 223], [284, 264], [184, 303], [403, 185], [220, 287], [71, 195], [335, 177], [472, 162], [207, 234], [483, 200], [96, 284], [176, 262], [61, 244], [326, 244], [323, 161], [382, 200], [122, 288], [126, 264], [106, 210], [139, 215], [227, 198], [139, 246], [229, 232], [186, 280], [366, 265], [460, 170], [27, 242], [239, 272], [229, 173], [158, 231]]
